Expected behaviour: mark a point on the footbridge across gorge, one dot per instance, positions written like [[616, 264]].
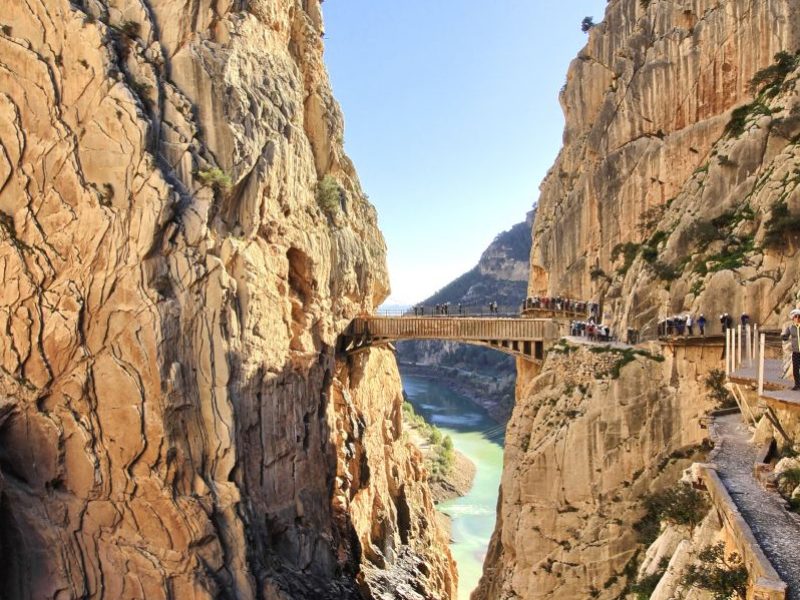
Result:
[[521, 336]]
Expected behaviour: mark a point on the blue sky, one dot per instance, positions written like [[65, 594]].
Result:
[[452, 119]]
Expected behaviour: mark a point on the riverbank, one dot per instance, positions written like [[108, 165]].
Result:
[[495, 395], [457, 481]]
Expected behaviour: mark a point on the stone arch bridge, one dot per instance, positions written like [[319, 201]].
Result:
[[519, 336]]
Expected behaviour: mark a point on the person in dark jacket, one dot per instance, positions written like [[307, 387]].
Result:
[[792, 334], [701, 323]]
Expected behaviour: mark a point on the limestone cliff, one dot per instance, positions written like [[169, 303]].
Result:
[[182, 239], [590, 434], [676, 190], [661, 197]]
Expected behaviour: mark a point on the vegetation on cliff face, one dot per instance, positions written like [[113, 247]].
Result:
[[678, 505], [722, 575], [715, 383], [329, 194]]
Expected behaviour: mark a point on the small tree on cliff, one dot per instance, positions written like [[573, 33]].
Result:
[[721, 576], [679, 505], [587, 24]]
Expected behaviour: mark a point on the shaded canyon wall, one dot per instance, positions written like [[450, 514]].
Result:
[[175, 423]]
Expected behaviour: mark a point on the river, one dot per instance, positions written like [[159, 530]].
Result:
[[479, 438]]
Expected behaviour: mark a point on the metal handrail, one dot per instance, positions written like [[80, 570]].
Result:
[[452, 311]]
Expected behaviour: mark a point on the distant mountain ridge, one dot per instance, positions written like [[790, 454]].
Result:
[[501, 276]]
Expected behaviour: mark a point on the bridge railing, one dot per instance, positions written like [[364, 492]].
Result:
[[452, 311], [455, 328]]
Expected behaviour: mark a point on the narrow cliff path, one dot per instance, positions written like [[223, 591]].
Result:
[[776, 529]]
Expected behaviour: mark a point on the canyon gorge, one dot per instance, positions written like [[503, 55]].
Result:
[[184, 241]]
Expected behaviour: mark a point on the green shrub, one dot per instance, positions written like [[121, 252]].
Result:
[[624, 356], [142, 89], [130, 28], [794, 505], [732, 256], [329, 195], [741, 115], [650, 219], [216, 178], [679, 505], [770, 78], [657, 238], [644, 587], [665, 271], [788, 481], [715, 382], [629, 252], [442, 455], [705, 232], [780, 225], [722, 577], [436, 436], [597, 273], [649, 254]]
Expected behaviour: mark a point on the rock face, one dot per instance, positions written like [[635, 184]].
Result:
[[676, 190], [174, 422], [590, 434], [655, 204], [487, 376]]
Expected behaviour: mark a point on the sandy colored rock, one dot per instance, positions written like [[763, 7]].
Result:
[[172, 298], [657, 204], [647, 158], [582, 447]]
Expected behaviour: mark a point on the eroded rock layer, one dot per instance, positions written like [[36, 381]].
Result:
[[173, 289], [675, 191], [650, 165], [590, 434]]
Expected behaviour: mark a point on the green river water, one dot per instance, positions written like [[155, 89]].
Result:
[[479, 438]]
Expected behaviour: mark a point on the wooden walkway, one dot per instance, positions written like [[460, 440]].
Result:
[[778, 391], [518, 336], [716, 339]]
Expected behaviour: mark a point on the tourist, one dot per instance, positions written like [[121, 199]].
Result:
[[792, 333], [679, 325], [728, 321], [745, 319], [689, 324], [701, 323]]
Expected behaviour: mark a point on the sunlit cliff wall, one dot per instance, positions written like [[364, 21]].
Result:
[[660, 201], [646, 157], [174, 422]]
